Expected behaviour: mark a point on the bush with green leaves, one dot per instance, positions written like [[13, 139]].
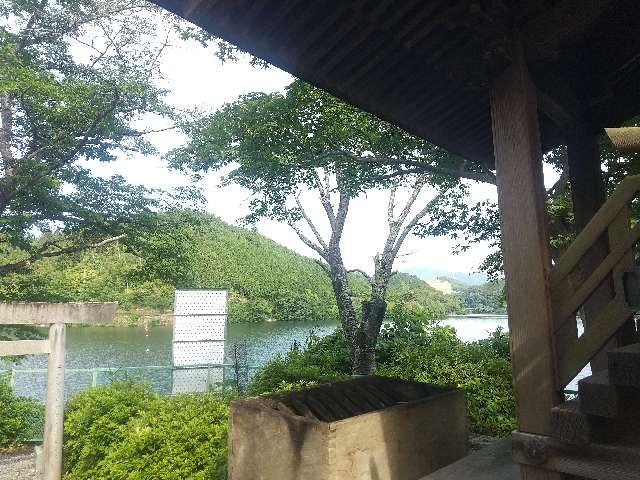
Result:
[[124, 430], [323, 359], [436, 355], [21, 418], [414, 351]]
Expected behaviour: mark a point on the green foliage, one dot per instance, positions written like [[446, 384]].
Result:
[[414, 351], [195, 250], [280, 139], [125, 431], [488, 298], [436, 355], [21, 419], [76, 79], [323, 359]]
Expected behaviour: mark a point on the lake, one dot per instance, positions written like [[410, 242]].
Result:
[[117, 350]]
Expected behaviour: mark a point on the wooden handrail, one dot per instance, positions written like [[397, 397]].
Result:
[[573, 353], [627, 189]]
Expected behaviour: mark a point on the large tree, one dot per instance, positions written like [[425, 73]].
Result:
[[286, 147], [78, 83]]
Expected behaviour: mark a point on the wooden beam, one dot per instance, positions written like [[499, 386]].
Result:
[[604, 462], [43, 313], [24, 347], [626, 140], [525, 247]]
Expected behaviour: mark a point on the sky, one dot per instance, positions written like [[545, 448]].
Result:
[[197, 79]]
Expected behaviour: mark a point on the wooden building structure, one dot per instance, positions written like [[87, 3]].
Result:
[[498, 82], [56, 316]]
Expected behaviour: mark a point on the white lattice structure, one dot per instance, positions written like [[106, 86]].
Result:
[[199, 332]]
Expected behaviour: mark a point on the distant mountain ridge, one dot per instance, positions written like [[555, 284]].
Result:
[[468, 278]]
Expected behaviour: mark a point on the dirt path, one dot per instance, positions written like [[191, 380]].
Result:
[[19, 464]]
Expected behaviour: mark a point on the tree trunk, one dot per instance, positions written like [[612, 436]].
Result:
[[364, 355]]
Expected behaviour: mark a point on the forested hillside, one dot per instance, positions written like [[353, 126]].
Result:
[[191, 250], [487, 298]]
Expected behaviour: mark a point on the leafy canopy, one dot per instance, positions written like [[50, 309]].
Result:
[[77, 79], [276, 143]]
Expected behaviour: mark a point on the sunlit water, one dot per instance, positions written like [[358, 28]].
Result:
[[118, 347]]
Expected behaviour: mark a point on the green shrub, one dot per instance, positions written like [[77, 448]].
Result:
[[412, 350], [124, 431], [322, 360], [482, 369], [21, 419]]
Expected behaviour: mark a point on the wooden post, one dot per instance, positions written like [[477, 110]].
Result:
[[525, 248], [54, 419]]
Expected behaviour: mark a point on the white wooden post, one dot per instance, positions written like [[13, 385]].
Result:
[[54, 419]]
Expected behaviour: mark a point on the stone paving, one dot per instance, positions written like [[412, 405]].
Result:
[[18, 464]]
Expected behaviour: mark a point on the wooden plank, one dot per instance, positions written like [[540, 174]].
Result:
[[619, 228], [24, 347], [525, 247], [595, 228], [604, 462], [54, 414], [618, 253], [43, 313], [573, 357]]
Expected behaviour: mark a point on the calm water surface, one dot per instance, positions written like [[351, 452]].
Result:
[[119, 347]]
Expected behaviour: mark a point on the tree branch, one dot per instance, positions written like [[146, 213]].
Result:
[[414, 221], [307, 241], [361, 272], [341, 216], [423, 167], [43, 253], [325, 199], [312, 226], [391, 206]]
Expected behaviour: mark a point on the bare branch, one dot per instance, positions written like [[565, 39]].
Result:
[[414, 221], [341, 216], [311, 225], [324, 266], [309, 243], [361, 272], [391, 206], [325, 200], [417, 188]]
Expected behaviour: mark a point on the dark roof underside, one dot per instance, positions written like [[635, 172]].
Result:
[[424, 64]]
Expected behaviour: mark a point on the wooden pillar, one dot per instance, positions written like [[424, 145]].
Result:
[[54, 416], [525, 247]]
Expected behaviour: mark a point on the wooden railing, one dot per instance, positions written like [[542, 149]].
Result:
[[568, 295]]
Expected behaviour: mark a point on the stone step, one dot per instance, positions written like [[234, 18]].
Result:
[[624, 366], [598, 396], [572, 426]]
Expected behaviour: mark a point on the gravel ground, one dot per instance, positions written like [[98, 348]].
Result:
[[19, 464]]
